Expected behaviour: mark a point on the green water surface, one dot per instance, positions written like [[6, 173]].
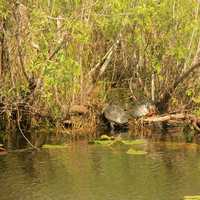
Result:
[[95, 172]]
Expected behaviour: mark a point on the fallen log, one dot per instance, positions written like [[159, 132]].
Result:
[[179, 117], [166, 117]]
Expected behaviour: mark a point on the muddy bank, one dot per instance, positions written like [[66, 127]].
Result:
[[86, 122]]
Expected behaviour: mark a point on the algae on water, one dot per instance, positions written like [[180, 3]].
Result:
[[133, 142], [104, 142], [106, 137], [110, 141], [54, 146], [195, 197], [136, 152]]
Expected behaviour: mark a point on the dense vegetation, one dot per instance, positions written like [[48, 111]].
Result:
[[58, 53]]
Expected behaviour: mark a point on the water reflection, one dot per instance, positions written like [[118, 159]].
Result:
[[94, 172]]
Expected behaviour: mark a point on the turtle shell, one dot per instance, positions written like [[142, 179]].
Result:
[[146, 109], [116, 114]]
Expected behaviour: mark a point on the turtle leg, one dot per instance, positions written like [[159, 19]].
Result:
[[112, 127]]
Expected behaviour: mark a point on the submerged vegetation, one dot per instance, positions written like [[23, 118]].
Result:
[[106, 140], [55, 55]]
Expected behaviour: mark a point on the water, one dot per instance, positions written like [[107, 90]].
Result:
[[82, 172]]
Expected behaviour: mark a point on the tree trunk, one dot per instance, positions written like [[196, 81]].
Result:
[[163, 103]]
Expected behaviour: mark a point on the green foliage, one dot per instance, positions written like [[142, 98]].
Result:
[[63, 72], [155, 36], [189, 92], [197, 111], [164, 27], [81, 32], [4, 11]]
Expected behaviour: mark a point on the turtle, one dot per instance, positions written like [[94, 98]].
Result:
[[147, 109], [143, 109], [116, 116]]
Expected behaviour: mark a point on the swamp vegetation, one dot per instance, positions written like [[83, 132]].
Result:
[[62, 61]]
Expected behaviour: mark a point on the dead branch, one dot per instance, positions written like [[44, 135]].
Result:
[[96, 72], [187, 118], [20, 29], [165, 118], [58, 48]]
